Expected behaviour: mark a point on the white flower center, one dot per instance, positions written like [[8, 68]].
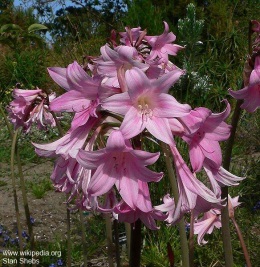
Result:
[[145, 108]]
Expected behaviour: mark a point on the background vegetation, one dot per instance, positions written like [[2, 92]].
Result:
[[215, 34]]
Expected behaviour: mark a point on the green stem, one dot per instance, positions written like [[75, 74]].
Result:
[[191, 239], [226, 237], [25, 200], [19, 228], [109, 239], [68, 238], [117, 247], [83, 238], [128, 238], [242, 242], [181, 224]]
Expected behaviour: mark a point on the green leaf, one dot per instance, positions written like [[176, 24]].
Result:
[[10, 27], [37, 27]]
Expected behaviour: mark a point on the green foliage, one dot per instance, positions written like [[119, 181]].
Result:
[[39, 188], [151, 19], [155, 249], [190, 29], [3, 183]]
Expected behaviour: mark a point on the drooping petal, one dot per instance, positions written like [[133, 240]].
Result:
[[72, 101], [90, 159], [128, 188]]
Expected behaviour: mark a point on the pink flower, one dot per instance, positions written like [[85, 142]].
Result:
[[190, 188], [132, 37], [168, 206], [121, 165], [113, 63], [205, 130], [211, 219], [146, 104], [162, 45], [31, 106], [126, 214], [84, 93], [206, 224], [69, 144], [251, 93]]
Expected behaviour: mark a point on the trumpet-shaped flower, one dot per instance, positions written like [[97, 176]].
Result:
[[206, 224], [206, 129], [212, 219], [251, 93], [162, 45], [146, 104], [84, 93], [31, 106], [121, 165]]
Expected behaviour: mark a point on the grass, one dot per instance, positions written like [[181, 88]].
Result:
[[3, 183], [39, 188]]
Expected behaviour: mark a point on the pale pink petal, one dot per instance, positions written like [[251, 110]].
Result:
[[160, 128], [145, 157], [137, 83], [196, 157], [166, 81], [132, 124], [168, 107], [118, 103], [115, 142], [71, 101], [103, 179], [59, 76], [90, 159], [128, 188]]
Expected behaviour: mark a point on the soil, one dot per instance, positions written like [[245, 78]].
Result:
[[48, 212]]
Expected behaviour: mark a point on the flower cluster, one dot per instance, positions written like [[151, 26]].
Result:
[[119, 99], [31, 106]]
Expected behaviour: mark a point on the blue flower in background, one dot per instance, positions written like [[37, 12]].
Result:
[[60, 262], [32, 220], [257, 206]]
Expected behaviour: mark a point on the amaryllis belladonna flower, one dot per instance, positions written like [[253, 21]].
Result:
[[31, 106]]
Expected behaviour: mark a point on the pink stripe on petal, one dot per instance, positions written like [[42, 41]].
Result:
[[168, 107], [160, 128], [71, 101], [102, 180], [128, 189], [118, 103], [132, 124], [165, 82], [137, 83]]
